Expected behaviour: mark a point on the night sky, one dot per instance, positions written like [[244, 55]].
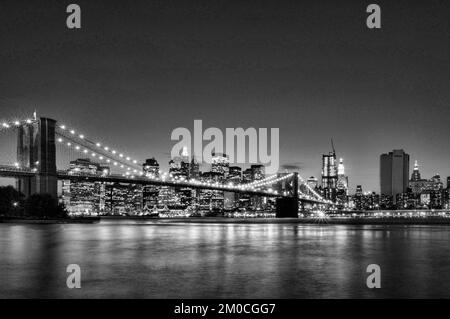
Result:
[[138, 69]]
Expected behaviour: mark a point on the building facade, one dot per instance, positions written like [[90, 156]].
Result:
[[394, 173]]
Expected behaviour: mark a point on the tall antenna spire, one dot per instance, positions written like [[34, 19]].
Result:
[[332, 146]]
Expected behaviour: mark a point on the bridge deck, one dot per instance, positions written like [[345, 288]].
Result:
[[14, 172]]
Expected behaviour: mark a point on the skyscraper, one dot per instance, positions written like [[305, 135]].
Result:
[[235, 174], [150, 193], [329, 175], [342, 184], [151, 167], [394, 173], [220, 164], [416, 183]]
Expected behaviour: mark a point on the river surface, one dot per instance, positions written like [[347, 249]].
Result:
[[174, 259]]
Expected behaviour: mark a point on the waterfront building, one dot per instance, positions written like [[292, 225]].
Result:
[[123, 198], [437, 184], [394, 173], [386, 202], [209, 199], [231, 200], [247, 176], [151, 167], [235, 174], [425, 199], [446, 200], [167, 196], [371, 201], [329, 175], [150, 193], [416, 183], [176, 197], [342, 184], [407, 200], [358, 198], [175, 167], [434, 195], [258, 173], [84, 197], [245, 199], [365, 200], [220, 164]]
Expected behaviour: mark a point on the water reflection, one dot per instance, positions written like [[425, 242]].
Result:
[[131, 259]]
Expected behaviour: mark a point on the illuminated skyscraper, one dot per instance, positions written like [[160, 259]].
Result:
[[184, 164], [329, 175], [258, 173], [220, 164], [151, 167], [231, 199], [342, 184], [175, 166], [235, 174], [342, 181], [415, 176], [150, 192], [359, 198], [209, 199], [416, 183]]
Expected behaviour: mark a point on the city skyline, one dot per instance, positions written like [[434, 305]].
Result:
[[288, 67], [352, 187]]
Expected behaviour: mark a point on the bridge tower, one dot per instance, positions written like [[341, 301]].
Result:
[[288, 206], [36, 149]]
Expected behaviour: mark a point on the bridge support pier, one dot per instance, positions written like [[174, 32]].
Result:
[[287, 207], [36, 149]]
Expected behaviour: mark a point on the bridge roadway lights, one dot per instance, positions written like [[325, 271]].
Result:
[[287, 207]]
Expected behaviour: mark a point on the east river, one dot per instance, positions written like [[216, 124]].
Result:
[[175, 259]]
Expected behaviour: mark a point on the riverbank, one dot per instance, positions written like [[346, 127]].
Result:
[[321, 221], [33, 220], [225, 220]]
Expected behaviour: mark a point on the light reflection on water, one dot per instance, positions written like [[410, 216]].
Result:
[[205, 260]]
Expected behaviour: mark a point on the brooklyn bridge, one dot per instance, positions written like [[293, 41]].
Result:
[[36, 170]]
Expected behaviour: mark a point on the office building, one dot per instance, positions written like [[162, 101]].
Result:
[[394, 173]]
